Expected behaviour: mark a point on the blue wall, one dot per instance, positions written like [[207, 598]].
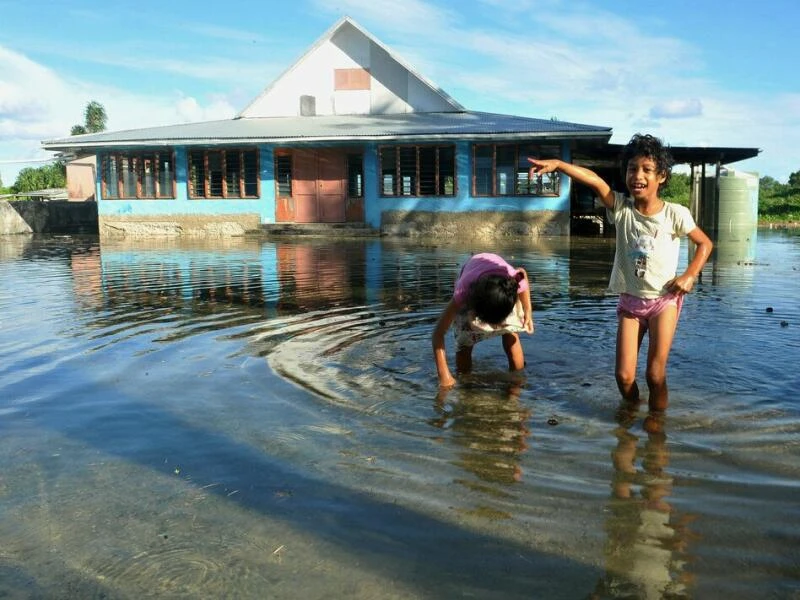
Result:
[[464, 201], [374, 205], [183, 205]]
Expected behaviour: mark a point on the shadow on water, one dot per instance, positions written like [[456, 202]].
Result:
[[405, 544]]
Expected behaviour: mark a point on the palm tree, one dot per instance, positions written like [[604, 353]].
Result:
[[94, 119]]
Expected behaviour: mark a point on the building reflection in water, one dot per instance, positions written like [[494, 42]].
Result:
[[645, 555], [199, 278], [320, 275], [87, 280], [490, 428]]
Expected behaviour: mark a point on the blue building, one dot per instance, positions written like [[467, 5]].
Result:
[[347, 134]]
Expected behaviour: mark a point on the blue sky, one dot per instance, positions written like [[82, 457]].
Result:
[[691, 72]]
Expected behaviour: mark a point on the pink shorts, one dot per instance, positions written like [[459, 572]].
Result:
[[644, 309]]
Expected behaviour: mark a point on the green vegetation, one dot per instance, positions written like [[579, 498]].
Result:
[[677, 189], [41, 178], [779, 202]]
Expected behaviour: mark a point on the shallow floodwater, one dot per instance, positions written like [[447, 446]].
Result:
[[247, 419]]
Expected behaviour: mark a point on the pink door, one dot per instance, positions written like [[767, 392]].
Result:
[[331, 178], [318, 186], [304, 185]]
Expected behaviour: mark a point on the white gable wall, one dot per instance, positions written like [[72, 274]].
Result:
[[393, 88]]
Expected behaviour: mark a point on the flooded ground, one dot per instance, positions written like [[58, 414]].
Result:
[[240, 419]]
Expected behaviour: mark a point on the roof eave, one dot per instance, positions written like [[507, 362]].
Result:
[[415, 137]]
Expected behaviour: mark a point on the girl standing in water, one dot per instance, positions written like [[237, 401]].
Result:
[[646, 260]]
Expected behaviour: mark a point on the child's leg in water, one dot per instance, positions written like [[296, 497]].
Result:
[[513, 348], [630, 333], [662, 332]]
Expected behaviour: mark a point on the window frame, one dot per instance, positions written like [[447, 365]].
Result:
[[137, 162], [545, 186], [405, 169], [287, 170], [214, 165], [355, 174]]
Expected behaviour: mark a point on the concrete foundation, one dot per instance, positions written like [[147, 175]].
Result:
[[33, 216], [480, 225], [179, 225]]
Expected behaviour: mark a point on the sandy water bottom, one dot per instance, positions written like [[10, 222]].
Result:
[[262, 420]]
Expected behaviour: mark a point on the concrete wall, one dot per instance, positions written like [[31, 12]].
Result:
[[464, 214], [54, 216], [183, 213], [11, 222]]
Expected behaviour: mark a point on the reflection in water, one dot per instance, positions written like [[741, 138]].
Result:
[[286, 278], [490, 427], [589, 262], [313, 276], [87, 281], [645, 555], [254, 419], [733, 260]]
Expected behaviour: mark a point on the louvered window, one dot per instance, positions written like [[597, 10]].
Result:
[[283, 175], [138, 175], [417, 171], [355, 176], [502, 170], [223, 173]]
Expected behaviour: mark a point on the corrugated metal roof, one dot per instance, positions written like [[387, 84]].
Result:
[[337, 128], [698, 155]]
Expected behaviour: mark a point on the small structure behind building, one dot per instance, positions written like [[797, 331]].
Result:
[[81, 178]]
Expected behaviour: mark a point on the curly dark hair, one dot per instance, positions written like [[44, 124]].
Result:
[[492, 297], [650, 147]]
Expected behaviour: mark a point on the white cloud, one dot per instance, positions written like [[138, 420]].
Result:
[[37, 104], [677, 109], [190, 110], [410, 16]]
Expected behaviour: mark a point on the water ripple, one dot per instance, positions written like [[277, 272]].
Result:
[[298, 380]]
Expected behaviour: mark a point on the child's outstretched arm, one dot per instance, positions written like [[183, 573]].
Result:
[[446, 319], [525, 298], [580, 174]]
